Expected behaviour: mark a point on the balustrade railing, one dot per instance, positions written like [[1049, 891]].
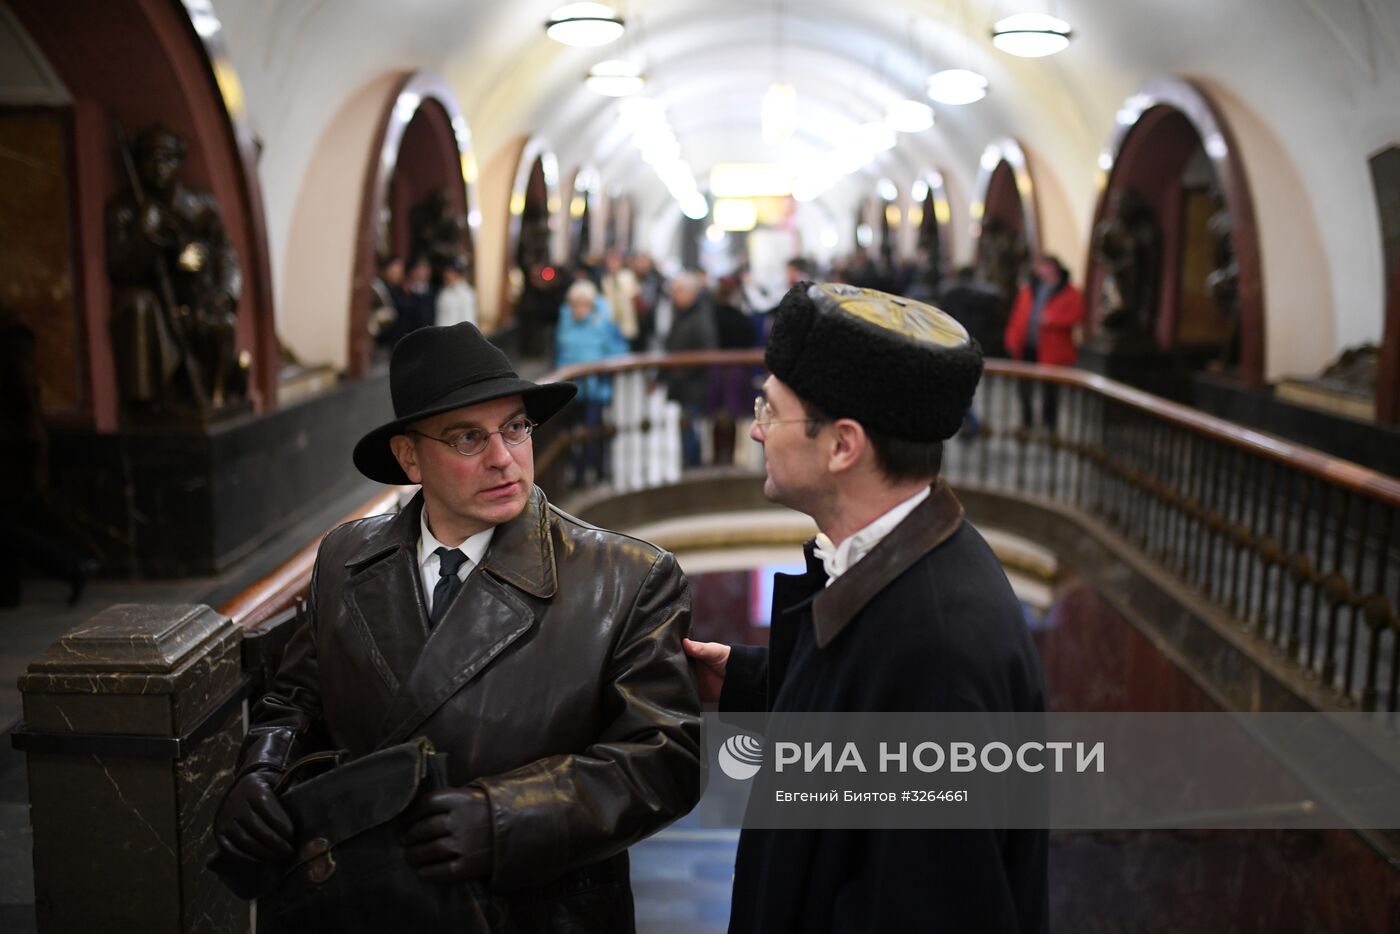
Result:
[[1300, 549]]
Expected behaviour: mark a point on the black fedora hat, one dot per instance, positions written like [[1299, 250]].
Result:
[[437, 370]]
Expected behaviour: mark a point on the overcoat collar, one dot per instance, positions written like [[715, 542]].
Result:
[[930, 524], [423, 668], [520, 554]]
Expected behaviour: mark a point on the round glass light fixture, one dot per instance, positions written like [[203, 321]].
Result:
[[614, 78], [908, 116], [695, 207], [1031, 35], [957, 86], [584, 25], [876, 137], [809, 187]]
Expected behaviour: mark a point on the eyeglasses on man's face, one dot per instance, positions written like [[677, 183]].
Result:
[[763, 415], [473, 441]]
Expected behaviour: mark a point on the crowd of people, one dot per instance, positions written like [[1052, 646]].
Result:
[[418, 293], [605, 306]]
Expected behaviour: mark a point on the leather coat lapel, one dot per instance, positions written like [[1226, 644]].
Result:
[[484, 619], [385, 599], [488, 614]]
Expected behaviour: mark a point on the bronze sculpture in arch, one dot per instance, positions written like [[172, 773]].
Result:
[[1159, 130], [932, 219], [162, 71], [422, 145], [1006, 224]]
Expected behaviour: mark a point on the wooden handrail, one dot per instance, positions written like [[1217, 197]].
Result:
[[276, 591], [1344, 474]]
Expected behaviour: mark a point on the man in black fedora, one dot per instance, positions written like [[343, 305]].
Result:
[[903, 608], [541, 654]]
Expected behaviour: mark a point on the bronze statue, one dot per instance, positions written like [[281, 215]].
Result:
[[1126, 245], [1223, 282], [1002, 259], [176, 286], [438, 231]]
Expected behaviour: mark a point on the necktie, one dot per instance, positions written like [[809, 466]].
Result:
[[449, 561]]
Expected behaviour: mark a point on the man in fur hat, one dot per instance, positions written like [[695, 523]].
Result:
[[903, 607], [541, 654]]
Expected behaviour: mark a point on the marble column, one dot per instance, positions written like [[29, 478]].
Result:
[[132, 724]]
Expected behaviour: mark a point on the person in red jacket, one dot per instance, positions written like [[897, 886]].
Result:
[[1040, 330]]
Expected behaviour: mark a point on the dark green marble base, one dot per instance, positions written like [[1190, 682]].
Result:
[[122, 831], [185, 501]]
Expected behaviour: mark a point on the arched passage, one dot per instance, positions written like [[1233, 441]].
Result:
[[333, 239], [531, 227], [931, 216], [584, 209], [424, 150], [427, 202], [163, 71], [1005, 222], [1173, 160]]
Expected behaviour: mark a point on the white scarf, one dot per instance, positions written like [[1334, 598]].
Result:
[[839, 560]]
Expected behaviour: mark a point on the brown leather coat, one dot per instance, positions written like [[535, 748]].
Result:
[[556, 682]]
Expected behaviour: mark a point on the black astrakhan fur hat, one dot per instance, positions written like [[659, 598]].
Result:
[[900, 367]]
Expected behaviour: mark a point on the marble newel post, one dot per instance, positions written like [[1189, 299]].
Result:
[[132, 723]]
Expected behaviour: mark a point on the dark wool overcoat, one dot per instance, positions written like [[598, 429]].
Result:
[[926, 621]]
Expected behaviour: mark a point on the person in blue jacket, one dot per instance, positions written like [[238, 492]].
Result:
[[586, 334]]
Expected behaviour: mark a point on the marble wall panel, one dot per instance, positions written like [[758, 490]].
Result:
[[36, 249]]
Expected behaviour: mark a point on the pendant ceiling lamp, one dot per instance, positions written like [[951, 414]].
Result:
[[908, 116], [615, 78], [1031, 35], [957, 86], [584, 25]]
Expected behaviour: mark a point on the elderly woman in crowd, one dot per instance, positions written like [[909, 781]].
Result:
[[586, 334]]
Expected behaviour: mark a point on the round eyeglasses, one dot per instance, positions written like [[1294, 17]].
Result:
[[763, 415], [475, 440]]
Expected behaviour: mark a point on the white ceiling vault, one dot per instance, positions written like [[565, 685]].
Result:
[[1309, 87]]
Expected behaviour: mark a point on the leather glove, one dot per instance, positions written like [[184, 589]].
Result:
[[446, 835], [251, 823]]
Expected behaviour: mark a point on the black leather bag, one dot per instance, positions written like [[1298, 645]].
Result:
[[348, 873]]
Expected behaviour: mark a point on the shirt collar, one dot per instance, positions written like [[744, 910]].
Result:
[[839, 559], [474, 548]]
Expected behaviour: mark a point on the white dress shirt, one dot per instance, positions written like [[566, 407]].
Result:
[[428, 562], [839, 560]]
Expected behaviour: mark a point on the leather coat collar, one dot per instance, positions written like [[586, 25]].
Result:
[[930, 524], [521, 553]]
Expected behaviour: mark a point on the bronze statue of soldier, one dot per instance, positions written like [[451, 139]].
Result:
[[176, 284], [1223, 284], [438, 231], [1002, 260], [1126, 245]]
